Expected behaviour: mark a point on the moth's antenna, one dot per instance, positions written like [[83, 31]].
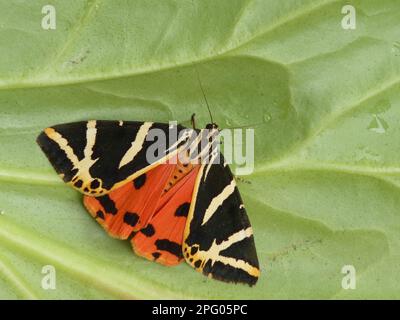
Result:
[[204, 95]]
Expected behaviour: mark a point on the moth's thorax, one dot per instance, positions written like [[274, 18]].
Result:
[[201, 146]]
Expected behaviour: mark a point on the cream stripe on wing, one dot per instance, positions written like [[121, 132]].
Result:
[[214, 253], [137, 144], [218, 200], [86, 163], [214, 156], [91, 133], [216, 249], [63, 144], [236, 237]]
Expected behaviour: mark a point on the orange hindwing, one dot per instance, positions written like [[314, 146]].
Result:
[[150, 211]]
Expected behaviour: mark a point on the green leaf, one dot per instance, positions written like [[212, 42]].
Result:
[[324, 102]]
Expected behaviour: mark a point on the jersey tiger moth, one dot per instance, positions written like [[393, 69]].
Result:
[[168, 211]]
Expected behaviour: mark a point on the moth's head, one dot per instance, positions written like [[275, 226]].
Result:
[[212, 126]]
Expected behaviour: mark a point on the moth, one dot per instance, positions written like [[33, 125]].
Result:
[[170, 211]]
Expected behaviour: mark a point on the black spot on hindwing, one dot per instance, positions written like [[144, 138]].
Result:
[[169, 246], [148, 231], [139, 181], [100, 214], [131, 218], [156, 255], [132, 235], [183, 210], [108, 204]]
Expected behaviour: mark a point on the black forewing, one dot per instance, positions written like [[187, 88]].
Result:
[[227, 229], [112, 140]]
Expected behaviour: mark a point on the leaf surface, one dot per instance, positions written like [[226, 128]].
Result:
[[324, 103]]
